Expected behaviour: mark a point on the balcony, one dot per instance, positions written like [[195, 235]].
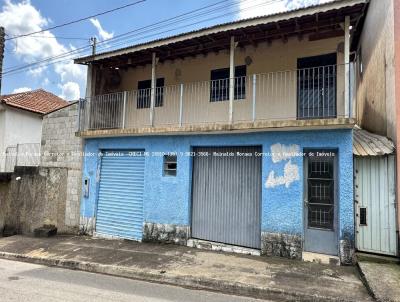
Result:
[[309, 97]]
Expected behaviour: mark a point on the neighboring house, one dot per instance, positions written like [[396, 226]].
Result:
[[21, 117], [47, 194], [236, 135], [378, 111]]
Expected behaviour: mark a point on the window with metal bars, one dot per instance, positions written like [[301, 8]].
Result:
[[219, 88], [144, 93], [170, 165]]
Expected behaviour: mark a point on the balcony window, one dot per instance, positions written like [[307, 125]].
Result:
[[144, 93], [219, 88], [316, 87]]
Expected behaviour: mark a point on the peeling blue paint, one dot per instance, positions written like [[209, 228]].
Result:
[[167, 199]]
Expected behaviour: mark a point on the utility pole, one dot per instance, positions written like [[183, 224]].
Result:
[[93, 40], [2, 45]]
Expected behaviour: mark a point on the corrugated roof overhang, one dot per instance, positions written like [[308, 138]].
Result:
[[320, 21], [369, 144]]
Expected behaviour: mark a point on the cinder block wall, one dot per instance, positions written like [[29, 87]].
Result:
[[62, 149], [48, 194]]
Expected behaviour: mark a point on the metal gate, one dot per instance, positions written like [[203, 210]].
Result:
[[320, 223], [120, 199], [375, 204], [227, 195]]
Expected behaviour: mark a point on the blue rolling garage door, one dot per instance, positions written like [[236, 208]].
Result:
[[120, 199]]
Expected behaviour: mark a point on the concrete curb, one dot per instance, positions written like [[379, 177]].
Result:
[[365, 281], [187, 281]]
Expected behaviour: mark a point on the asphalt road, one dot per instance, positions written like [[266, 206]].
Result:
[[30, 282]]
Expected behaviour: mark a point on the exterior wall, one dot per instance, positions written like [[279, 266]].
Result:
[[266, 58], [375, 89], [2, 148], [167, 199], [62, 149], [397, 101], [378, 87], [20, 127], [33, 197]]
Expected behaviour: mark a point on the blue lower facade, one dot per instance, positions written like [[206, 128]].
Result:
[[167, 199]]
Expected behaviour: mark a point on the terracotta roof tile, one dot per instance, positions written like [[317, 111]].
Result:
[[39, 101]]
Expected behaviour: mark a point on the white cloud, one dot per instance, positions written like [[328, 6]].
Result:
[[37, 72], [254, 8], [69, 71], [21, 18], [21, 89], [70, 91], [104, 35]]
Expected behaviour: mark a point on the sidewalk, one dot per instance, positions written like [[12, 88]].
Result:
[[260, 277], [383, 279]]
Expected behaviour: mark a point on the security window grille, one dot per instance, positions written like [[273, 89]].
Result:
[[363, 216], [170, 165], [321, 188], [219, 89], [144, 93]]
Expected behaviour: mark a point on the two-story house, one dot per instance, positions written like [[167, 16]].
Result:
[[237, 135]]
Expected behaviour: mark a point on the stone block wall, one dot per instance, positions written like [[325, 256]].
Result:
[[281, 245], [165, 233], [62, 149]]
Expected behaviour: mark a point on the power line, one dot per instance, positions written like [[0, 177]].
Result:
[[79, 20], [267, 2], [81, 49], [84, 48], [18, 70], [60, 37], [87, 47]]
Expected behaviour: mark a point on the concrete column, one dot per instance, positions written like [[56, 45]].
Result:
[[89, 84], [347, 66], [153, 87]]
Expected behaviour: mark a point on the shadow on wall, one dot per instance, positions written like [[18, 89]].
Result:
[[33, 197]]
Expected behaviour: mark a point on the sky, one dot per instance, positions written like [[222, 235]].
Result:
[[68, 80]]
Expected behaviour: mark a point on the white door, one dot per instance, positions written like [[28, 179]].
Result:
[[375, 204]]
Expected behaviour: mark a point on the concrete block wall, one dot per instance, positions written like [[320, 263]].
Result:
[[62, 149]]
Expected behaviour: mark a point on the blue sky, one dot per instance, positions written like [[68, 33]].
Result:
[[67, 79]]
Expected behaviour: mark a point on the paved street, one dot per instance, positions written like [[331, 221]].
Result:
[[30, 282]]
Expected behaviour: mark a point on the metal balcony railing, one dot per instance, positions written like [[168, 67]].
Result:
[[310, 93]]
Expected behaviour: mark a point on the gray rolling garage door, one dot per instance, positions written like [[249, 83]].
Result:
[[120, 199], [227, 196]]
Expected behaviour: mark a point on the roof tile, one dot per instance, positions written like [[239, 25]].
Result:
[[39, 101]]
